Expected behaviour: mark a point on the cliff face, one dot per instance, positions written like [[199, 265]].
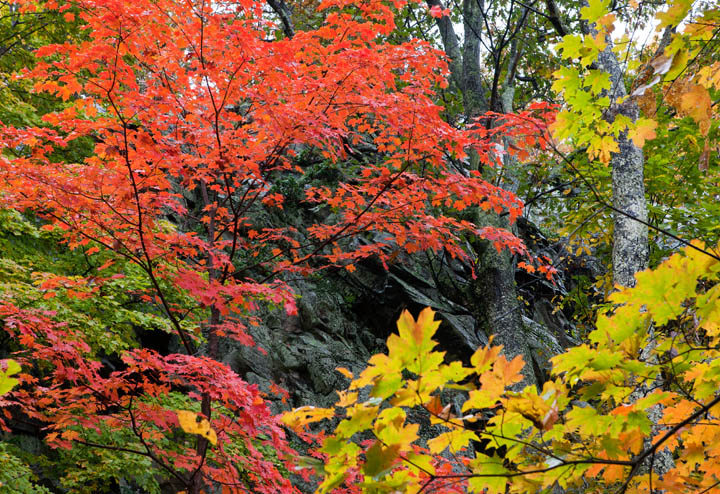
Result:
[[344, 318]]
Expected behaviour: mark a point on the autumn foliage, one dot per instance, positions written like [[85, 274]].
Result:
[[645, 382], [176, 121], [175, 132]]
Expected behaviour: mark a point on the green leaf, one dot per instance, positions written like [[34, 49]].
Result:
[[594, 10], [597, 81], [571, 46]]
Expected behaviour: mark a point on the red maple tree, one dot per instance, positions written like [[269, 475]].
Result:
[[195, 113]]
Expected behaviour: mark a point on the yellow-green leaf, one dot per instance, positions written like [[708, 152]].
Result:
[[7, 382], [594, 10], [454, 439], [379, 459]]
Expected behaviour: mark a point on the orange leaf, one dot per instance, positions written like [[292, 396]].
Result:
[[643, 131], [696, 103]]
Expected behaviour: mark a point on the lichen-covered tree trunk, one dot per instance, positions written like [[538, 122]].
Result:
[[494, 298], [630, 238]]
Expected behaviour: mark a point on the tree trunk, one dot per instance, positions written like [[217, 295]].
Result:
[[494, 298], [630, 238]]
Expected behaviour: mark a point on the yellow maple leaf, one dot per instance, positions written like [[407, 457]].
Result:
[[300, 417], [192, 423], [511, 370], [602, 147], [643, 131], [456, 440], [709, 76], [401, 436], [503, 374], [345, 372], [674, 14], [607, 23], [346, 399], [484, 357], [543, 415]]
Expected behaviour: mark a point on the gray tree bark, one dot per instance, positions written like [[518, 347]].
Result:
[[284, 12], [630, 237]]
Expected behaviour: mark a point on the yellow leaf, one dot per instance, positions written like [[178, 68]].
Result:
[[594, 10], [300, 417], [511, 371], [503, 374], [643, 131], [543, 415], [400, 435], [415, 337], [602, 147], [455, 440], [594, 45], [479, 398], [674, 14], [484, 357], [344, 372], [709, 76], [679, 65], [346, 399], [607, 23], [406, 325], [426, 321], [192, 423], [562, 125]]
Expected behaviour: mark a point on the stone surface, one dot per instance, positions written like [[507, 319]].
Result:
[[344, 318]]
